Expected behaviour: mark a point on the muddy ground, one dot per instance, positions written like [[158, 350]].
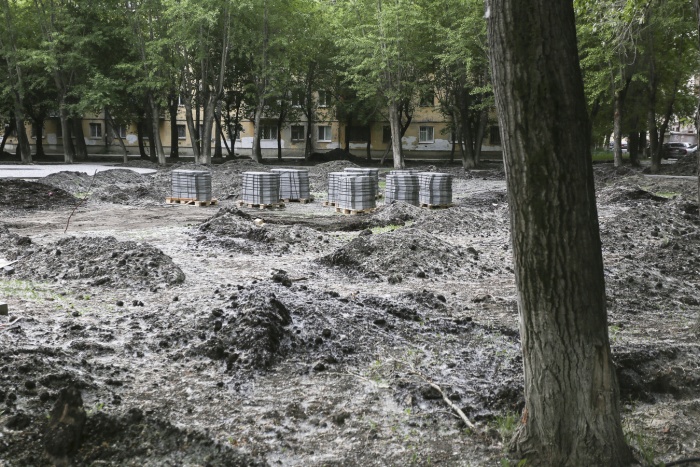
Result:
[[176, 335]]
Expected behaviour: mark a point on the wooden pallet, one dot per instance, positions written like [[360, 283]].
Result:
[[191, 201], [353, 211], [436, 206], [242, 203], [329, 203], [300, 200]]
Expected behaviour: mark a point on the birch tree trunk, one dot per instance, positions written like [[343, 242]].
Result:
[[395, 124], [155, 129], [572, 413]]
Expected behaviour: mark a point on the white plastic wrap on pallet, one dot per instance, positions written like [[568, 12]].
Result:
[[294, 183], [435, 188], [193, 184], [357, 193], [402, 187], [260, 187]]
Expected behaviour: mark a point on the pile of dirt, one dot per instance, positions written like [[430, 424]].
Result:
[[252, 336], [233, 229], [632, 190], [403, 252], [318, 174], [21, 194], [336, 154], [142, 164], [394, 213], [686, 165], [95, 260]]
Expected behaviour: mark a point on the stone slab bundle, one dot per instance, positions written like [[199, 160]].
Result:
[[404, 172], [356, 193], [435, 188], [362, 171], [294, 183], [334, 184], [402, 187], [191, 184], [260, 187]]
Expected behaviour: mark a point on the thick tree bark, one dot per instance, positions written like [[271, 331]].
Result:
[[156, 143], [66, 134], [23, 148], [395, 124], [192, 128], [38, 125], [141, 134], [174, 136], [81, 151], [257, 151], [571, 415], [6, 134], [617, 129], [219, 134]]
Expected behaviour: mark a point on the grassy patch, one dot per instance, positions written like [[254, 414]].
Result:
[[607, 156], [506, 425]]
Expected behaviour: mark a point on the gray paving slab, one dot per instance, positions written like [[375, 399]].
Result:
[[31, 171]]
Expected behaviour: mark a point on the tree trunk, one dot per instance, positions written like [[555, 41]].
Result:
[[617, 130], [208, 125], [633, 148], [218, 150], [257, 151], [309, 110], [572, 414], [174, 136], [6, 134], [369, 144], [66, 134], [81, 151], [141, 133], [156, 143], [117, 136], [394, 122], [38, 125], [23, 148], [192, 128]]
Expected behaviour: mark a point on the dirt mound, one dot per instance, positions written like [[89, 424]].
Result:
[[253, 337], [395, 213], [142, 164], [406, 251], [73, 182], [686, 165], [318, 174], [233, 229], [21, 194], [98, 261], [336, 154], [128, 438]]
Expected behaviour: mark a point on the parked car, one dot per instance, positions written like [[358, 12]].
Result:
[[623, 145], [676, 150]]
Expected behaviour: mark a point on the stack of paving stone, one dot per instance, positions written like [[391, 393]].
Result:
[[334, 184], [361, 171], [294, 184], [260, 188], [402, 187], [404, 171], [435, 189], [191, 184], [356, 193]]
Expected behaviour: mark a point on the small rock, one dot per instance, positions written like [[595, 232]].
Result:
[[120, 303], [9, 270], [259, 222], [29, 384], [421, 274], [365, 233], [64, 433], [326, 333], [319, 366], [395, 279], [176, 298], [340, 417], [441, 298], [4, 309], [430, 393], [380, 322]]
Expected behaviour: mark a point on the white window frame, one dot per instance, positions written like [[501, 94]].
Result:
[[95, 130], [298, 128], [184, 132], [121, 131], [297, 99], [327, 135], [426, 134]]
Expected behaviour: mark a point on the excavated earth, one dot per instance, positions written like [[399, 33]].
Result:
[[147, 334]]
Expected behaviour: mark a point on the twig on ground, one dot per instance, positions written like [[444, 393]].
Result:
[[79, 203], [10, 325]]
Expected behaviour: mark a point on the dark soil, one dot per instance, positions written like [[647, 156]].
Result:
[[21, 194], [224, 336]]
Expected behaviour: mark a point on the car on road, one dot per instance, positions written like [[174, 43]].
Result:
[[676, 150]]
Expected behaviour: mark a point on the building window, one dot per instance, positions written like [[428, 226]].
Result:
[[494, 136], [427, 99], [386, 134], [298, 132], [95, 130], [324, 98], [181, 132], [121, 131], [426, 134], [358, 134], [297, 98], [268, 132], [324, 133]]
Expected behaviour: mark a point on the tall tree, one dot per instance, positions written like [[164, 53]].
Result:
[[571, 414]]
